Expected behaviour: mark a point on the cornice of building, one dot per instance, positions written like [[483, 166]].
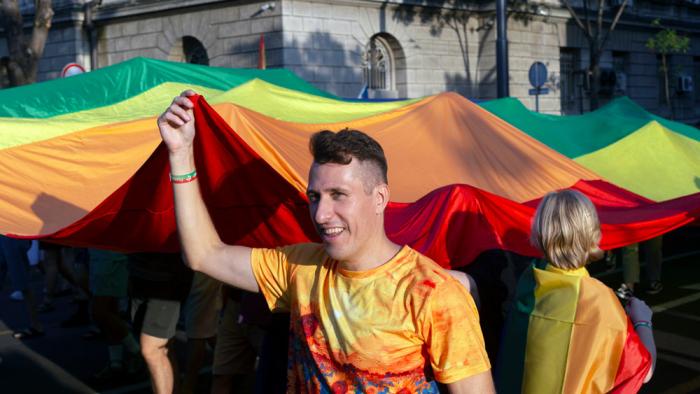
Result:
[[117, 9]]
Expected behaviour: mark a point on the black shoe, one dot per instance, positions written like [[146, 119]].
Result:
[[27, 333], [654, 288]]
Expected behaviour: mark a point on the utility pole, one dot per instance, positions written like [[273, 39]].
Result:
[[501, 49]]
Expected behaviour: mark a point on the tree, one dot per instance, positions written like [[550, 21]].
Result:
[[667, 42], [451, 14], [455, 15], [23, 60], [597, 36]]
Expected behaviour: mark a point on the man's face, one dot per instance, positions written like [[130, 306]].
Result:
[[345, 214]]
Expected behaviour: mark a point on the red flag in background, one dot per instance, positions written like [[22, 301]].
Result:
[[261, 52]]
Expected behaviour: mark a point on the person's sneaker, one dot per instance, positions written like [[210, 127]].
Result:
[[17, 295], [655, 287]]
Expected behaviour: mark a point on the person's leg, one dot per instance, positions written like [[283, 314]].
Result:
[[196, 354], [654, 258], [65, 268], [159, 322], [630, 265], [271, 374], [50, 263], [15, 254], [3, 270], [156, 353], [234, 355], [105, 313], [201, 319]]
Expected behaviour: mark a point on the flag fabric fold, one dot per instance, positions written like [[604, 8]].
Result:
[[256, 203]]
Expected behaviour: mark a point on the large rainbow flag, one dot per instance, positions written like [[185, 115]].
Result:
[[93, 172], [630, 147], [568, 333]]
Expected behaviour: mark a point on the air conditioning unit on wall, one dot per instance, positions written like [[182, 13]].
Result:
[[685, 84]]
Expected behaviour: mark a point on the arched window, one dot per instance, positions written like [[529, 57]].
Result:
[[194, 51], [384, 67], [378, 65]]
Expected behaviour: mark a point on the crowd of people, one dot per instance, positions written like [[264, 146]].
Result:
[[133, 303], [356, 312]]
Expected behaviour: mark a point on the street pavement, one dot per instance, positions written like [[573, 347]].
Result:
[[63, 361]]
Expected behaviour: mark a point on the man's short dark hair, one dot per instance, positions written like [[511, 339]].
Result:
[[341, 147]]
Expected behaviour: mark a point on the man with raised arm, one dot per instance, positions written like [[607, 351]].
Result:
[[366, 314]]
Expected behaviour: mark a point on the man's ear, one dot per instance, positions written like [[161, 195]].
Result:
[[381, 197]]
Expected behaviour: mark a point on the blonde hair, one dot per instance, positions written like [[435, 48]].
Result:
[[566, 229]]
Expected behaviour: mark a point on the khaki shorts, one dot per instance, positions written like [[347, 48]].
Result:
[[156, 317], [202, 307], [237, 345]]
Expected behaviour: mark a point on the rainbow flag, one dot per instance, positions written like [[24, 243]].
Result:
[[93, 172], [651, 156], [568, 333]]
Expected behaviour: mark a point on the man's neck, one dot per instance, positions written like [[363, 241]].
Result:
[[379, 254]]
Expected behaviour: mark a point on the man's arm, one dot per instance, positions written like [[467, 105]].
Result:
[[481, 383], [204, 251]]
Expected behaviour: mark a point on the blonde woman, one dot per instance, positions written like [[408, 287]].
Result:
[[568, 332]]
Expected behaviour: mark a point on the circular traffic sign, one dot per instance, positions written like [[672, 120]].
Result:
[[537, 74], [71, 69]]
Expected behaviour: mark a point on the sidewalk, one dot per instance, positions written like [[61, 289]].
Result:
[[61, 361]]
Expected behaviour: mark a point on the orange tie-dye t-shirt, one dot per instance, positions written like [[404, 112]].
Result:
[[393, 329]]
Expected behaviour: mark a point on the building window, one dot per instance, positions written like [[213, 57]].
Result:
[[620, 61], [570, 79], [377, 65], [194, 51], [620, 65]]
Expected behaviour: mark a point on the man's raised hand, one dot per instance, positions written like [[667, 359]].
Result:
[[176, 124]]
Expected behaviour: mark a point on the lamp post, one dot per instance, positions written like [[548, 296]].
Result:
[[501, 49]]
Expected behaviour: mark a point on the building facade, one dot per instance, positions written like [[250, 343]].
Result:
[[391, 49]]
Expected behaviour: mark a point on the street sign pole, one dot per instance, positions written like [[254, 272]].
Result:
[[538, 77]]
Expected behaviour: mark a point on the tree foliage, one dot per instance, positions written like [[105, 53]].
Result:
[[455, 16], [667, 42], [597, 33]]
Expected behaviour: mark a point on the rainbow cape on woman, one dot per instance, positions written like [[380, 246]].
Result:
[[568, 333]]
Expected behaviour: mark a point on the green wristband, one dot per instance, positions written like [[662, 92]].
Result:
[[183, 177], [642, 324]]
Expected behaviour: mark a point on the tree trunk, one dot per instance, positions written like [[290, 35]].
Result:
[[667, 89], [22, 63]]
